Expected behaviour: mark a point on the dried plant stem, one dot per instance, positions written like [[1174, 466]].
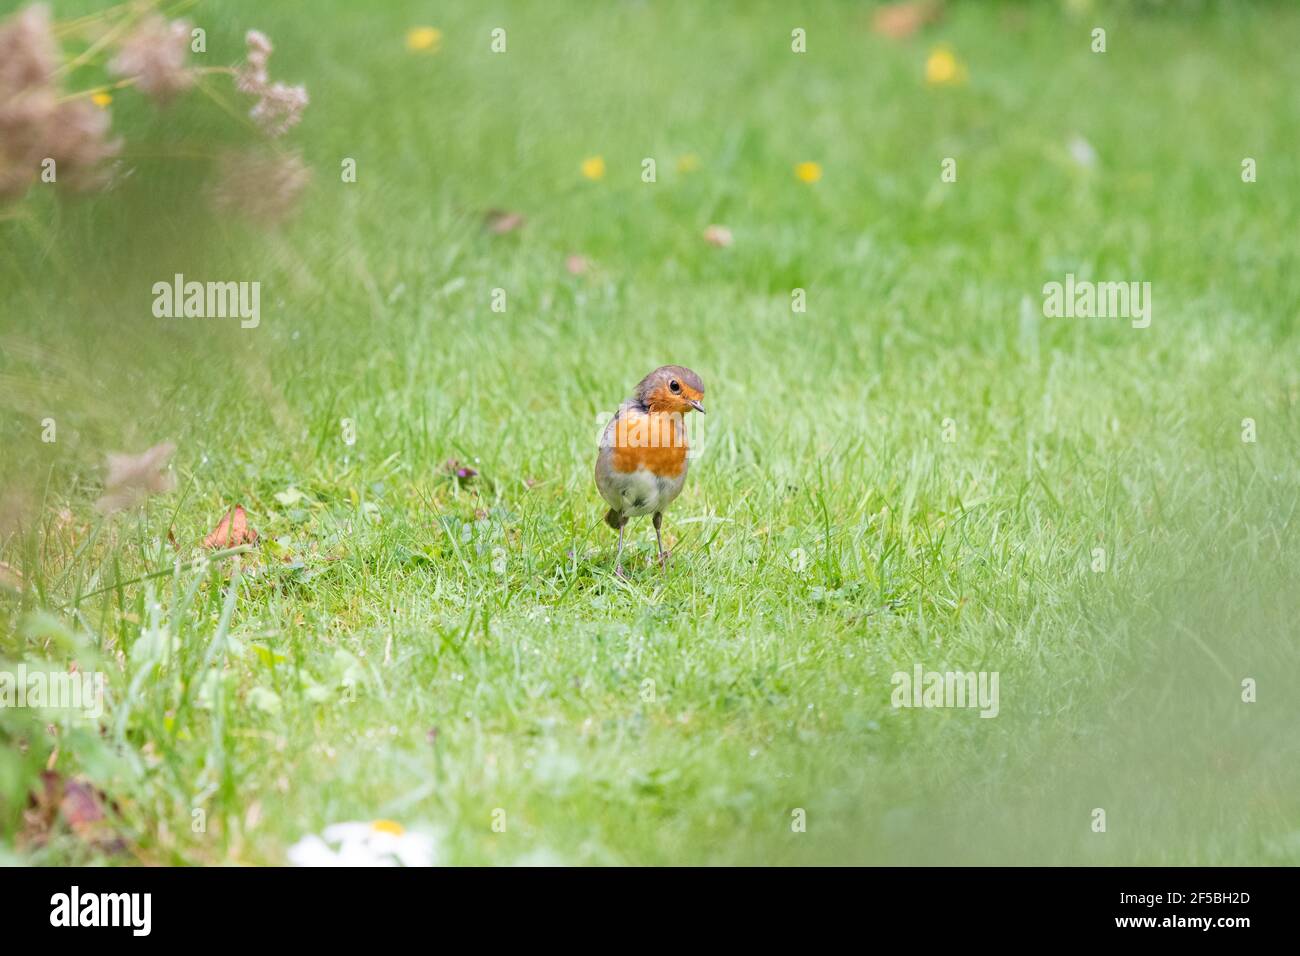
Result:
[[87, 54], [131, 81], [65, 27], [178, 566], [217, 98]]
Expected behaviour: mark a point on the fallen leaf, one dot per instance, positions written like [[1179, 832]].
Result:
[[898, 21], [232, 531], [76, 803], [499, 221], [80, 806], [719, 236], [132, 478]]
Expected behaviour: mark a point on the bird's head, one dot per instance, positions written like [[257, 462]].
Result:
[[671, 388]]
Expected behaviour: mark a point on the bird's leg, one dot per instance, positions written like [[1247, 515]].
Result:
[[618, 559], [659, 540]]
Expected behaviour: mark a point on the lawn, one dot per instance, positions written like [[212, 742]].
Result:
[[906, 464]]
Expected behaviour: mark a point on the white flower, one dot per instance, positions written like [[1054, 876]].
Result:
[[279, 106], [380, 843], [1082, 153], [155, 56]]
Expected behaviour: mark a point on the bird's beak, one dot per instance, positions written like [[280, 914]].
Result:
[[697, 406]]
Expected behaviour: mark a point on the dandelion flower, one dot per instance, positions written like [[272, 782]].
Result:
[[942, 68], [424, 39], [593, 167], [154, 54], [101, 98], [378, 843], [808, 172], [688, 163]]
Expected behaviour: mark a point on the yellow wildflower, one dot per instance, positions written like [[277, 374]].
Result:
[[942, 68], [808, 172], [423, 39]]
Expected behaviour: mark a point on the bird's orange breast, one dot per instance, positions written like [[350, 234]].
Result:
[[654, 441]]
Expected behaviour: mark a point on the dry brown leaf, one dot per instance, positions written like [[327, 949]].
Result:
[[80, 807], [232, 531], [898, 21], [76, 803], [500, 221]]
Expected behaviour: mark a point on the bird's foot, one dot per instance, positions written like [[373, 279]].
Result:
[[663, 560], [619, 572]]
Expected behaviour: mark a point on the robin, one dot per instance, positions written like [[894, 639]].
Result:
[[641, 466]]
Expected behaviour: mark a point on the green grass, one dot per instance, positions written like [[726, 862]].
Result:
[[441, 650]]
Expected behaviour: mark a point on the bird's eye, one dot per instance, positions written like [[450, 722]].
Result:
[[674, 386]]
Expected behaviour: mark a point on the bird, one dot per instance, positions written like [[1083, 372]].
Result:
[[641, 465]]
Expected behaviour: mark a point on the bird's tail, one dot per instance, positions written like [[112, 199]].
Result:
[[614, 519]]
